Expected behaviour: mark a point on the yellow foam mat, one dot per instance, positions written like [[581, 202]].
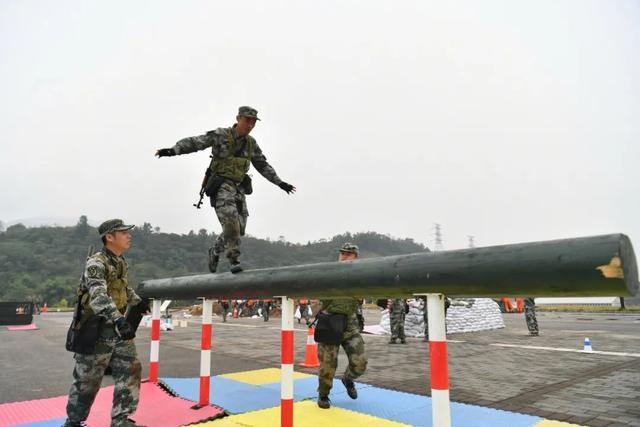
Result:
[[261, 376], [551, 423], [305, 414]]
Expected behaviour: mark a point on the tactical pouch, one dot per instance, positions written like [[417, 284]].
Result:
[[330, 328], [82, 337], [213, 185], [246, 185]]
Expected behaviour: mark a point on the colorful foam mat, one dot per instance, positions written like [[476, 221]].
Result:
[[156, 408], [253, 398]]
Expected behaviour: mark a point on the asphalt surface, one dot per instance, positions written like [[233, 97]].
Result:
[[507, 369]]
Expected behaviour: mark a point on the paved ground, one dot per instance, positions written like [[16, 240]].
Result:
[[588, 389]]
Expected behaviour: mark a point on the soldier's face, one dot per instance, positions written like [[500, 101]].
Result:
[[347, 256], [119, 241], [245, 125]]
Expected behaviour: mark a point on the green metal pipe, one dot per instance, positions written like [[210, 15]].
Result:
[[586, 266]]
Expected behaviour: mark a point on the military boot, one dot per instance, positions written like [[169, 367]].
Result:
[[214, 258], [235, 265], [324, 402], [351, 388], [392, 341]]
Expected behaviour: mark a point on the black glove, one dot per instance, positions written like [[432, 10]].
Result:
[[287, 187], [165, 152], [124, 329], [144, 305]]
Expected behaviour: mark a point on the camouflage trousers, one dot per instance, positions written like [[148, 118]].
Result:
[[396, 321], [530, 315], [353, 346], [231, 208], [87, 378]]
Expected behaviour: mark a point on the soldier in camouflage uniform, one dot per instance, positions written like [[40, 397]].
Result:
[[530, 316], [352, 343], [104, 292], [232, 153], [397, 311]]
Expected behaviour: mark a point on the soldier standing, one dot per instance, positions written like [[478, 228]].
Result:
[[303, 306], [233, 150], [397, 310], [530, 316], [352, 343], [104, 292], [225, 310]]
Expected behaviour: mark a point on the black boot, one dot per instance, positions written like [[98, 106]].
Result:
[[351, 388], [235, 266], [213, 260], [324, 402]]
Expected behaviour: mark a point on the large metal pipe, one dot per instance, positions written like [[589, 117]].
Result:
[[586, 266]]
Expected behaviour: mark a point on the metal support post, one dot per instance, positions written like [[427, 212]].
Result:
[[205, 351], [154, 354], [286, 386]]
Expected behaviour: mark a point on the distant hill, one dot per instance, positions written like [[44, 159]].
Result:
[[46, 262], [47, 221]]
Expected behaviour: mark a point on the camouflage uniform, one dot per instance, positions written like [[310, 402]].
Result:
[[104, 270], [303, 306], [396, 320], [225, 310], [530, 316], [230, 202], [352, 343]]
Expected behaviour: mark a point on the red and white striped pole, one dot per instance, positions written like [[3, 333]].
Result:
[[286, 385], [154, 354], [441, 409], [205, 351]]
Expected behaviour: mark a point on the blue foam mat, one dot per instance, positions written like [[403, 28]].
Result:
[[234, 396], [416, 410], [307, 388], [55, 422]]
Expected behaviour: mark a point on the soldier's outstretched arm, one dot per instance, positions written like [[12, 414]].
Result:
[[187, 145], [259, 161], [100, 302]]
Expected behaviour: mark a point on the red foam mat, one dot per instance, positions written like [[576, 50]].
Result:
[[32, 410], [156, 408]]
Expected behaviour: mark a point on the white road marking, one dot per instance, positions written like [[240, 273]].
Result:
[[568, 350]]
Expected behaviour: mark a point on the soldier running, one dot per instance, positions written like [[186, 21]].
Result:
[[352, 343], [233, 150]]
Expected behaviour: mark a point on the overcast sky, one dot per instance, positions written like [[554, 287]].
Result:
[[507, 120]]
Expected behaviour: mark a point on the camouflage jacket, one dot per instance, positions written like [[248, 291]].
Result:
[[217, 140], [347, 306], [102, 270]]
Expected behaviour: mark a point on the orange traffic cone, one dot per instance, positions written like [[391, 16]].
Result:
[[311, 352], [45, 308]]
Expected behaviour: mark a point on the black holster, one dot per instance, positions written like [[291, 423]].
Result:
[[82, 336], [246, 185], [213, 185], [330, 328]]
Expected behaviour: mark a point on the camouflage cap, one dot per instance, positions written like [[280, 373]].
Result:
[[350, 248], [246, 111], [111, 225]]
